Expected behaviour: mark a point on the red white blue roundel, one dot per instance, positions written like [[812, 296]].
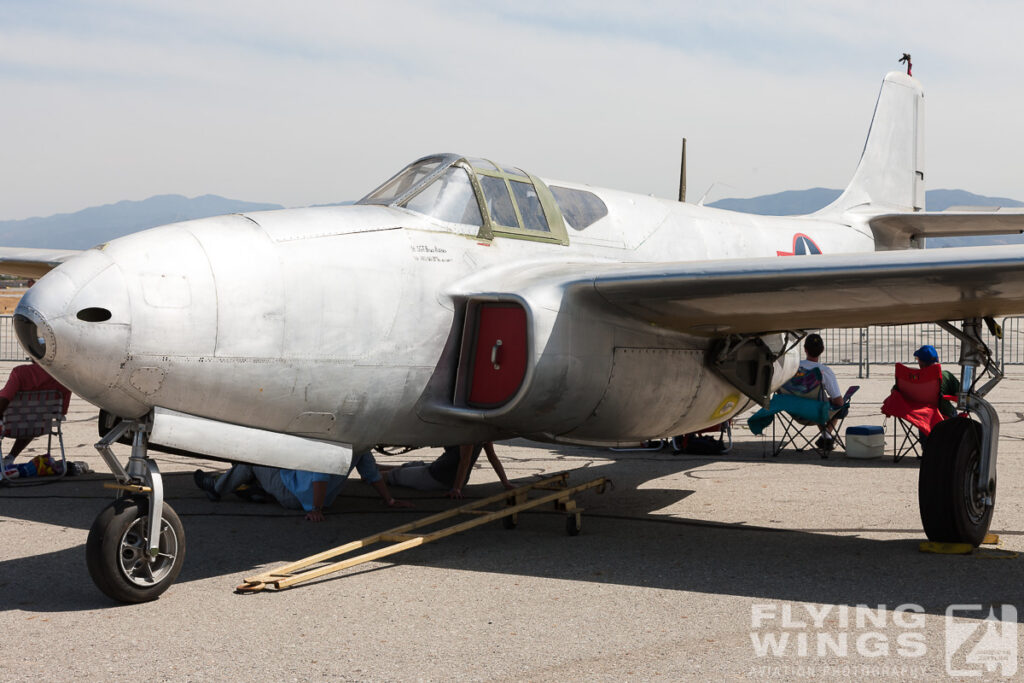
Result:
[[802, 244]]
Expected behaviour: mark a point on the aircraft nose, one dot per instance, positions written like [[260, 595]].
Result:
[[75, 323]]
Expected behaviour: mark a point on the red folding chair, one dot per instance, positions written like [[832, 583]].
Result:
[[914, 403]]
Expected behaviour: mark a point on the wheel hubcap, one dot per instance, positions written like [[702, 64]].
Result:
[[136, 564]]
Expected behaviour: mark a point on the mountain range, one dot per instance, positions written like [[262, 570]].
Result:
[[89, 227], [96, 225]]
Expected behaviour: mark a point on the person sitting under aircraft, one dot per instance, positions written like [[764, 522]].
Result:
[[450, 472], [814, 347], [28, 377], [927, 355], [296, 489]]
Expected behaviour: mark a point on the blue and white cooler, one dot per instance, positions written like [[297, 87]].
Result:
[[865, 442]]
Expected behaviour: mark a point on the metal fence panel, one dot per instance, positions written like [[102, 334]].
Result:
[[1012, 347], [10, 349], [891, 344]]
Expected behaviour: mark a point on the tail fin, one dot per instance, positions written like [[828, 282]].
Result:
[[890, 175]]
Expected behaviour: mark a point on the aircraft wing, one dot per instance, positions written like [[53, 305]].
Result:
[[32, 263], [896, 230], [713, 298]]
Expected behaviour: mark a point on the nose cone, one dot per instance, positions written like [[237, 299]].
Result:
[[75, 323]]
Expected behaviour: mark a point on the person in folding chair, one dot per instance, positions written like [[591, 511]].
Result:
[[920, 399], [814, 347], [949, 385], [28, 377], [810, 398]]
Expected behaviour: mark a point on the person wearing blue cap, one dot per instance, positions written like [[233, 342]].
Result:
[[927, 355]]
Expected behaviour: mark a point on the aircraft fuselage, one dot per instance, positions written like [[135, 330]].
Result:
[[346, 323]]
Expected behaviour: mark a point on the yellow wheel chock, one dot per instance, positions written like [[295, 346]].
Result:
[[968, 549]]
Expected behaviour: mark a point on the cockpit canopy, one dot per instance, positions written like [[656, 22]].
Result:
[[499, 200]]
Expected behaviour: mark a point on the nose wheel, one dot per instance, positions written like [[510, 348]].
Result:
[[118, 554], [136, 546]]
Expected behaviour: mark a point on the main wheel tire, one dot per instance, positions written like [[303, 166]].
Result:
[[952, 510], [118, 557]]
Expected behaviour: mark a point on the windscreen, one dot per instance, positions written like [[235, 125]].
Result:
[[449, 198], [412, 175]]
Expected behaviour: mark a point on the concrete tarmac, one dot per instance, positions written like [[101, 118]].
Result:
[[693, 568]]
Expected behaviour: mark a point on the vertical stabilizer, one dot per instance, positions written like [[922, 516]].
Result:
[[890, 175]]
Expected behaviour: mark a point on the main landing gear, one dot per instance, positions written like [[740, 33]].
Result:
[[957, 482], [136, 546]]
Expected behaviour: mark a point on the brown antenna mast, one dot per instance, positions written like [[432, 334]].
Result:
[[682, 174]]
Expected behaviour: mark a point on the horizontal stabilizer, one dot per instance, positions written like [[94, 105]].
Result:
[[247, 444], [905, 230], [31, 263]]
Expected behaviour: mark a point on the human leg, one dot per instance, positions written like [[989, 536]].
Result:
[[270, 479], [414, 476], [16, 449], [236, 476]]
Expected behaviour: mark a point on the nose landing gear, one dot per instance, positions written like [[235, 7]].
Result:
[[136, 545]]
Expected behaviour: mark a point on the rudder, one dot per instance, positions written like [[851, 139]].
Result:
[[890, 175]]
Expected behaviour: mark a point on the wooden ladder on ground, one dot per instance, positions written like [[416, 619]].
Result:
[[510, 504]]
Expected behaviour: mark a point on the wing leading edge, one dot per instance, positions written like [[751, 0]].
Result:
[[32, 263], [760, 295]]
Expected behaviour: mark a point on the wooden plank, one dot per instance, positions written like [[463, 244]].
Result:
[[345, 564], [432, 519], [134, 488], [304, 570]]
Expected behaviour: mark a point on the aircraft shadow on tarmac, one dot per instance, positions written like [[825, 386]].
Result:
[[621, 543]]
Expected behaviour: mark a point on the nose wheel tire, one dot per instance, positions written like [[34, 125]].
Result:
[[117, 552], [952, 509]]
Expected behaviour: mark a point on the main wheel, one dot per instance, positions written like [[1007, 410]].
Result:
[[952, 509], [117, 553]]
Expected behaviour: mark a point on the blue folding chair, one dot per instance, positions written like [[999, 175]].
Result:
[[803, 408]]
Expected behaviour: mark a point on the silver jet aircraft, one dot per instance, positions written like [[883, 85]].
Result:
[[466, 300]]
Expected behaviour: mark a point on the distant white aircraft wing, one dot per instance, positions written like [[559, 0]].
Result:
[[33, 263], [713, 298]]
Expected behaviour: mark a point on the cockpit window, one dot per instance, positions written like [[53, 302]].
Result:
[[410, 176], [580, 208], [499, 205], [501, 201], [477, 162], [529, 206], [449, 198]]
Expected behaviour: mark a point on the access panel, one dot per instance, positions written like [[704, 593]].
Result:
[[499, 354]]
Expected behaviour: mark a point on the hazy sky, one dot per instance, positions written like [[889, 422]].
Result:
[[310, 102]]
